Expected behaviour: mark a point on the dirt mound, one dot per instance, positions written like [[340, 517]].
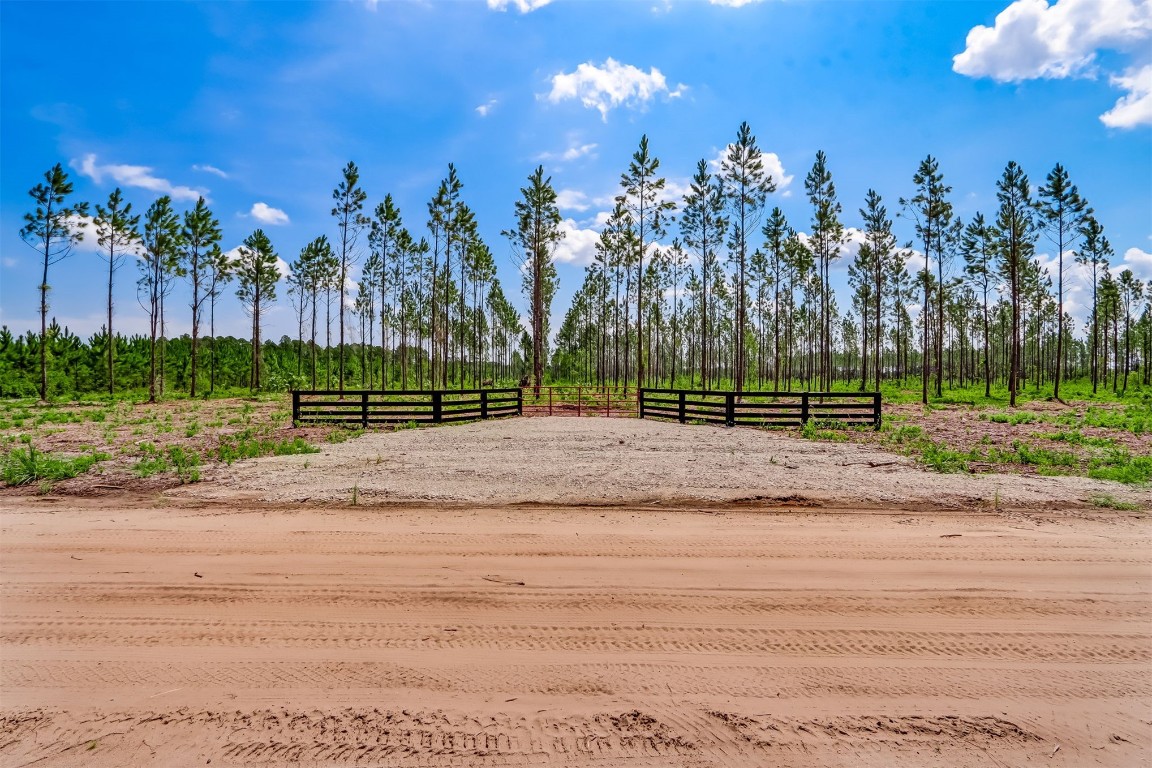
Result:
[[621, 461]]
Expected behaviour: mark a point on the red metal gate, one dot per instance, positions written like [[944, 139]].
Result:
[[578, 400]]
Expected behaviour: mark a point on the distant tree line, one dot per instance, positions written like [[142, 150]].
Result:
[[739, 297], [742, 298]]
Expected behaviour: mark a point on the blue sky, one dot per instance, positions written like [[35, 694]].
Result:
[[259, 105]]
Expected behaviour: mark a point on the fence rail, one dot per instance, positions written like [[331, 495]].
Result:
[[761, 409], [368, 407]]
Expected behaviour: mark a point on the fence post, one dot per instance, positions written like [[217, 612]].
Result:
[[729, 409], [483, 403], [549, 401], [682, 414], [579, 399], [364, 409], [295, 407], [876, 409], [803, 408], [640, 402], [519, 402], [437, 412], [608, 407]]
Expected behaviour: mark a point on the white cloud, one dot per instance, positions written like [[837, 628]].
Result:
[[134, 176], [733, 3], [524, 6], [1139, 261], [572, 200], [9, 262], [1032, 39], [575, 151], [210, 169], [773, 166], [266, 214], [578, 246], [282, 268], [1135, 108], [486, 107], [611, 85]]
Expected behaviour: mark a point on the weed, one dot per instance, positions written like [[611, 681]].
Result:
[[1111, 502], [355, 495], [192, 429], [343, 435], [246, 445], [1121, 466], [186, 464], [1014, 418], [21, 466]]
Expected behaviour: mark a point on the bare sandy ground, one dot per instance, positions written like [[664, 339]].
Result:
[[170, 631], [610, 461]]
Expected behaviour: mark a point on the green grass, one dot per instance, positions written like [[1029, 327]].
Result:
[[246, 444], [22, 466], [1110, 502], [337, 436]]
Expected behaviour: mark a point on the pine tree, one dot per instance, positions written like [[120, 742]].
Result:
[[53, 229], [200, 235], [536, 235], [350, 221], [746, 188], [1131, 291], [827, 238], [382, 239], [1094, 253], [1015, 236], [882, 243], [256, 278], [776, 233], [1062, 211], [933, 216], [649, 214], [703, 227], [160, 260], [218, 272], [979, 251], [118, 235]]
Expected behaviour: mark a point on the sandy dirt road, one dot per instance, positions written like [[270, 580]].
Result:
[[182, 633]]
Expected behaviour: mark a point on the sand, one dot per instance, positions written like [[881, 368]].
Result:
[[445, 620]]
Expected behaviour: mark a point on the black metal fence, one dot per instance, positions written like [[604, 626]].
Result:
[[761, 409], [368, 407]]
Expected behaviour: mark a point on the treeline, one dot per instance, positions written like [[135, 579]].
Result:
[[738, 296], [425, 311], [79, 366], [742, 297]]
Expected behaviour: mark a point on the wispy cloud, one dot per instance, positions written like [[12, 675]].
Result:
[[210, 169], [134, 176], [574, 151], [486, 107], [610, 85], [524, 6]]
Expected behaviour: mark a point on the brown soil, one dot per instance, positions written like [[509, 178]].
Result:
[[169, 632], [578, 592]]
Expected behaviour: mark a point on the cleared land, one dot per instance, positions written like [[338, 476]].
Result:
[[584, 593]]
